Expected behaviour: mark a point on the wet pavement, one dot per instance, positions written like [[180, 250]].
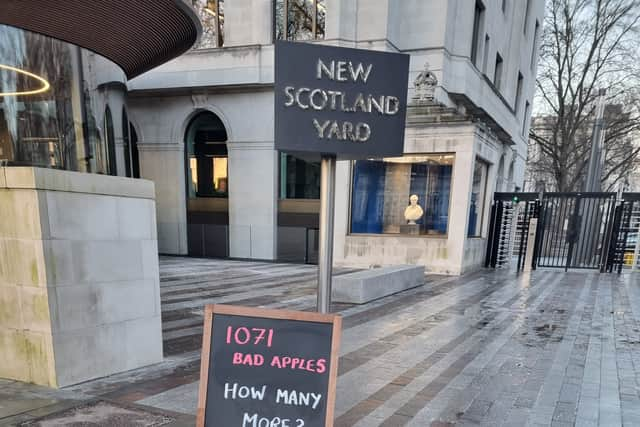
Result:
[[490, 348]]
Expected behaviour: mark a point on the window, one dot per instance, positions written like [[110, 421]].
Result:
[[516, 107], [478, 192], [510, 174], [126, 145], [478, 18], [300, 19], [211, 14], [497, 74], [402, 195], [526, 16], [62, 127], [485, 60], [207, 173], [500, 175], [534, 47], [135, 158], [525, 118], [106, 151], [299, 179]]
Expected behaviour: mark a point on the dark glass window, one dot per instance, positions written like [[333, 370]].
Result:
[[527, 11], [478, 21], [135, 158], [516, 107], [525, 118], [534, 46], [403, 195], [478, 193], [300, 19], [126, 144], [50, 101], [485, 57], [497, 73], [207, 157], [106, 153], [299, 179]]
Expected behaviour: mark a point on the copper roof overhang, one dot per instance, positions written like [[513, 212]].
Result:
[[138, 35]]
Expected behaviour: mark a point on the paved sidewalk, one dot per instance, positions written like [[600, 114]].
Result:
[[490, 348]]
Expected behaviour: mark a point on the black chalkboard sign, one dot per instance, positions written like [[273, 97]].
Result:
[[268, 368]]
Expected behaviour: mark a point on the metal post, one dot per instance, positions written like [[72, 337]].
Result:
[[531, 242], [325, 251], [597, 156], [635, 262]]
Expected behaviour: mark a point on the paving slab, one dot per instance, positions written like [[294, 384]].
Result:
[[489, 348]]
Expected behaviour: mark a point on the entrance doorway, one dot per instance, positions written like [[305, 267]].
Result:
[[206, 168]]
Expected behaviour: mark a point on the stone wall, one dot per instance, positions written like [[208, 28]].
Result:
[[79, 280]]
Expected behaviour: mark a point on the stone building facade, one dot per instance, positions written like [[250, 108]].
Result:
[[204, 124]]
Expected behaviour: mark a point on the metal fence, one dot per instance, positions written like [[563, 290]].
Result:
[[574, 230]]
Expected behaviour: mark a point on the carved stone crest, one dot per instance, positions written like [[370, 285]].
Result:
[[425, 85], [199, 100]]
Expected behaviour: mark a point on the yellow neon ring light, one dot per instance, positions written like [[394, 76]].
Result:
[[44, 88]]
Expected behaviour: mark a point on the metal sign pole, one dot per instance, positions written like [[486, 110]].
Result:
[[325, 252]]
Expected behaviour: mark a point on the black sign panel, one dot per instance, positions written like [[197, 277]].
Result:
[[339, 101], [268, 367]]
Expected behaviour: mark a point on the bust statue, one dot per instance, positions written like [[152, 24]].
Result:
[[413, 212]]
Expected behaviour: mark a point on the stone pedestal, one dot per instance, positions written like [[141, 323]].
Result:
[[79, 281], [412, 229]]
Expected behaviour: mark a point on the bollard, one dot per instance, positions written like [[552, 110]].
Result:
[[531, 242]]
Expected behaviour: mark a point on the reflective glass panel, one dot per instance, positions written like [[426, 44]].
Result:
[[207, 157], [403, 195], [478, 192], [211, 14], [300, 19], [51, 105], [299, 179]]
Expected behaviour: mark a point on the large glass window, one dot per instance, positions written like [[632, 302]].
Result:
[[211, 14], [49, 105], [207, 157], [299, 179], [135, 158], [403, 195], [300, 19], [106, 153], [478, 193]]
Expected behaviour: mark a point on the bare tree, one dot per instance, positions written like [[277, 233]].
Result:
[[586, 45]]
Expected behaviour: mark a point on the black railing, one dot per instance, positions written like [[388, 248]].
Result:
[[574, 230]]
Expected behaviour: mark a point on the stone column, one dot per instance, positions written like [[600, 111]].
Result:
[[79, 280], [342, 209], [253, 174], [459, 204], [163, 163]]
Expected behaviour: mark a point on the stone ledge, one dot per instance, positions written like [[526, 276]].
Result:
[[32, 178], [368, 285]]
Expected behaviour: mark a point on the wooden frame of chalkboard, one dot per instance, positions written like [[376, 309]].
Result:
[[213, 309]]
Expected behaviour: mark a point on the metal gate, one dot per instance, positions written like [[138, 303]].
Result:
[[574, 230]]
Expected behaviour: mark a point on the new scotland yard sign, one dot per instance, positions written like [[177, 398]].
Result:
[[339, 101]]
